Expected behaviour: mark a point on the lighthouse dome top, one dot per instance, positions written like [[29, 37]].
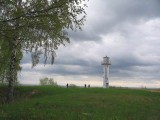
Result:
[[106, 61]]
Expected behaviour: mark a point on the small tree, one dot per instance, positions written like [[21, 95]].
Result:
[[48, 81]]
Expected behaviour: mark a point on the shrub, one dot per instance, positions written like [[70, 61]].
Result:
[[72, 85], [47, 81]]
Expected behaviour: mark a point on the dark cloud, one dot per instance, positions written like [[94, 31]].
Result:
[[84, 35], [125, 30], [108, 14]]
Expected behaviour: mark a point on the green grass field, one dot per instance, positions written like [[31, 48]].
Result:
[[56, 103]]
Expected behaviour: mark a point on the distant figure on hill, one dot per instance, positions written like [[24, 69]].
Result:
[[85, 85], [67, 85]]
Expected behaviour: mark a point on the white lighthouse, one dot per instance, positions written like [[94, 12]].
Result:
[[105, 63]]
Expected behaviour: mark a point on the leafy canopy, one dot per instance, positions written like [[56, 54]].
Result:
[[39, 25]]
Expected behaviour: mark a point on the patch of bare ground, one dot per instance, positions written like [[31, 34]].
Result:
[[154, 90], [30, 94]]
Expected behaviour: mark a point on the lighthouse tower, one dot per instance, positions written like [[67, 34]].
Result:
[[105, 63]]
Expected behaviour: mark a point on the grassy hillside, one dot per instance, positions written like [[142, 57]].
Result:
[[54, 103]]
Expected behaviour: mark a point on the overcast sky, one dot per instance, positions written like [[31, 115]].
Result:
[[128, 31]]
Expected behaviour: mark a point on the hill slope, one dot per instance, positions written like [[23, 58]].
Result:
[[55, 103]]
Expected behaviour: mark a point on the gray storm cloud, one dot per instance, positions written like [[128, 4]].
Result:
[[125, 30]]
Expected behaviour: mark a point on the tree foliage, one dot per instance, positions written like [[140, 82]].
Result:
[[48, 81], [40, 24], [36, 26]]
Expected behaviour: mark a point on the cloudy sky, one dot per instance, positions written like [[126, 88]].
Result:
[[128, 31]]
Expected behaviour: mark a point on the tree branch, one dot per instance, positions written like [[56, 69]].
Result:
[[33, 13]]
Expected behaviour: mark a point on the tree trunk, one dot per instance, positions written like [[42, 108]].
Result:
[[3, 77], [12, 74]]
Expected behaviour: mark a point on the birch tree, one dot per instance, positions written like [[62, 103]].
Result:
[[4, 62], [36, 26]]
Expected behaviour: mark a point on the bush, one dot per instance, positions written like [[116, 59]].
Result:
[[47, 81], [72, 85]]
